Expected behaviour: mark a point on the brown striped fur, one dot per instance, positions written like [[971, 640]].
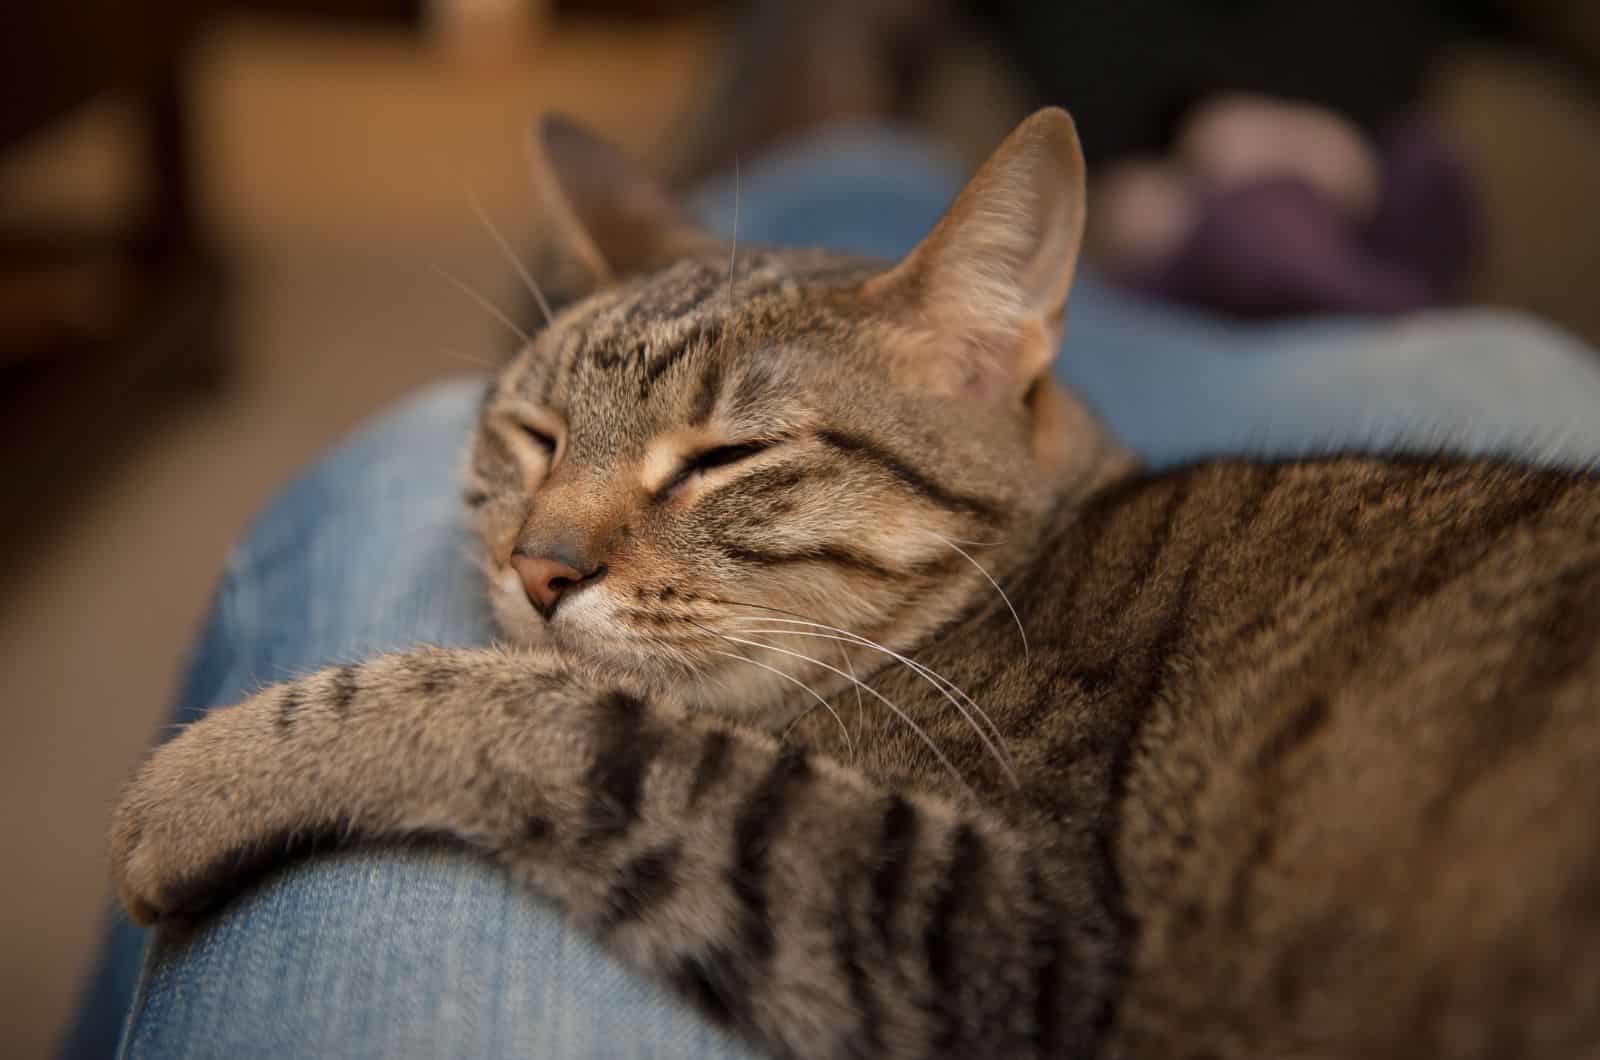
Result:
[[1301, 758]]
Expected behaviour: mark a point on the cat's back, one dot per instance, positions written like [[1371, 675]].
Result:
[[1233, 581], [1247, 563], [1372, 751], [1318, 738], [1230, 591]]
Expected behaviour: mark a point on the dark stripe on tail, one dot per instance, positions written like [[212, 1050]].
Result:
[[1049, 955], [895, 844], [645, 882], [289, 703], [712, 766], [952, 894], [344, 690], [536, 828], [866, 1040], [623, 749], [436, 679], [753, 830], [718, 981], [713, 984]]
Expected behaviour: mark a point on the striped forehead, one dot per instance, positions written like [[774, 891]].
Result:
[[617, 388], [652, 354], [625, 340]]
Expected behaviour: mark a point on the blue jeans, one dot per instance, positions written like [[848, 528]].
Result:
[[388, 952]]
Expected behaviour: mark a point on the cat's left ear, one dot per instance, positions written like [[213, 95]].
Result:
[[991, 280], [602, 215]]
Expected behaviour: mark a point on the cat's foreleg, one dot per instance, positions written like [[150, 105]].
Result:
[[786, 895]]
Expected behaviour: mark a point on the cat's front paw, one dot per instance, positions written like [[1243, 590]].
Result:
[[163, 847], [196, 820], [136, 869]]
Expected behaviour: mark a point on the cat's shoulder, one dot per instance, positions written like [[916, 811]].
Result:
[[1340, 480], [1342, 468]]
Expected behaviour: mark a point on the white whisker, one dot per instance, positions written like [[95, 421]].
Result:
[[477, 362], [861, 707], [484, 302], [733, 248], [848, 742], [935, 678], [1014, 616], [927, 674], [704, 677], [510, 255], [873, 692], [733, 255]]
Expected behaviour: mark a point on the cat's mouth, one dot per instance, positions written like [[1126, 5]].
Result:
[[734, 653], [585, 624]]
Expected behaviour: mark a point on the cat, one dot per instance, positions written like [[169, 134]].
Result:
[[860, 687]]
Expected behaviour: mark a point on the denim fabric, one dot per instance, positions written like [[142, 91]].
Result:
[[430, 953]]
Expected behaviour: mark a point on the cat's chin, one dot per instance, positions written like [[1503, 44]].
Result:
[[585, 630], [749, 694], [583, 635]]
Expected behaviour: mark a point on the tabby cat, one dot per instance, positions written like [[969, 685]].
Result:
[[1236, 760]]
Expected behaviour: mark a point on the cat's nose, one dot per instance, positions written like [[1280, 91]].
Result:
[[546, 579]]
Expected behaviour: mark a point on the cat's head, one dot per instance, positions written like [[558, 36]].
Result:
[[704, 443]]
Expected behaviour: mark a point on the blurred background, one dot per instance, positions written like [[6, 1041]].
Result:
[[220, 222]]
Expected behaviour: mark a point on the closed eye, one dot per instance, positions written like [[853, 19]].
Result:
[[710, 459], [539, 438]]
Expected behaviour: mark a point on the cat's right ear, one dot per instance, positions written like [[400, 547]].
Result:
[[990, 283], [602, 215]]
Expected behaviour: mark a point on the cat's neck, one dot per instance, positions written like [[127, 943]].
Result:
[[1078, 458], [1089, 464], [1076, 453]]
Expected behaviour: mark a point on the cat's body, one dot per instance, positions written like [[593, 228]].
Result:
[[1268, 759], [1326, 735]]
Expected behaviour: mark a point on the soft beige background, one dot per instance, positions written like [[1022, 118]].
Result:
[[335, 169]]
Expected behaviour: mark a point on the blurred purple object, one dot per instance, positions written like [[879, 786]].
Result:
[[1280, 247], [1427, 213]]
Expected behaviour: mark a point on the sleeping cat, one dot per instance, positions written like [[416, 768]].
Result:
[[858, 686]]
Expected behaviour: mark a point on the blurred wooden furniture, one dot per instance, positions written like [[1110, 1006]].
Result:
[[69, 393], [100, 327]]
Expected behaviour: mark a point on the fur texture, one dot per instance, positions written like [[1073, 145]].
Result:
[[1249, 759]]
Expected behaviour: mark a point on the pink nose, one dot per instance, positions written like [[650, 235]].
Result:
[[547, 580]]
